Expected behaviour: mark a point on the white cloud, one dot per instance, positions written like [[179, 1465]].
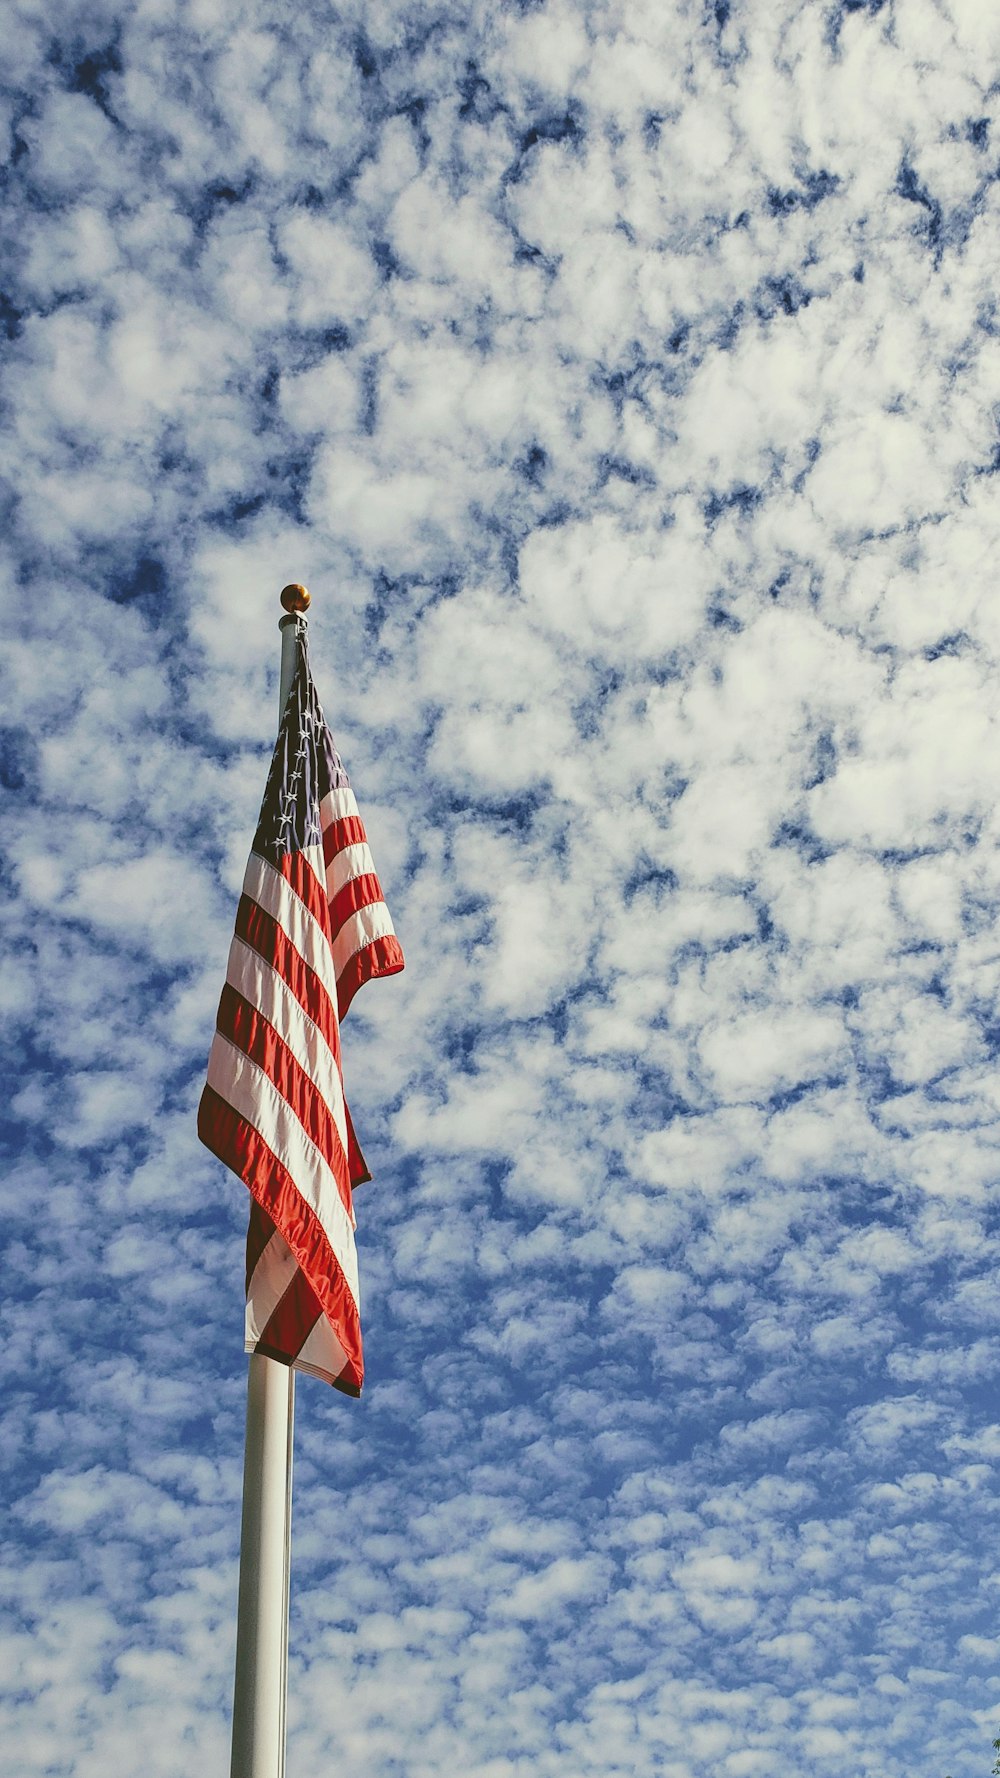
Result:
[[623, 385]]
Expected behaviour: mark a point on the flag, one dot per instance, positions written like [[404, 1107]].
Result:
[[312, 926]]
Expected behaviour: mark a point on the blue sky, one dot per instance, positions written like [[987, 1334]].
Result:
[[623, 381]]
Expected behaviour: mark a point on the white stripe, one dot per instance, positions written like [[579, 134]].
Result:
[[250, 1092], [353, 861], [272, 1275], [322, 1354], [266, 989], [271, 891], [336, 806], [358, 931]]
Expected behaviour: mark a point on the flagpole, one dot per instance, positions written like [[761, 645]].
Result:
[[261, 1687]]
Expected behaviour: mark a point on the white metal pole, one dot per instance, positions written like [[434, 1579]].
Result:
[[262, 1613], [261, 1687]]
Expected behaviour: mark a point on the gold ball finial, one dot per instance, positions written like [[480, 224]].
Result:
[[295, 597]]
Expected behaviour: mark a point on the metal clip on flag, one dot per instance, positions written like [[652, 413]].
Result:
[[311, 927]]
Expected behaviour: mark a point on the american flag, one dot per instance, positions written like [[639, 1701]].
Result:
[[311, 927]]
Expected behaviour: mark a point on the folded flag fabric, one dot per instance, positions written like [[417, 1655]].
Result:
[[312, 926]]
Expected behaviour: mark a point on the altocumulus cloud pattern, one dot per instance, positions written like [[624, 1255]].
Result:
[[623, 379]]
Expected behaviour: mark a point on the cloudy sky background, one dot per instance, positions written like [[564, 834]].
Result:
[[624, 381]]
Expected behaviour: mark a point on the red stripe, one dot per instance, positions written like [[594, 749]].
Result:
[[292, 1320], [299, 873], [355, 1159], [360, 892], [297, 1313], [290, 1325], [259, 1231], [245, 1026], [242, 1148], [348, 831], [384, 956], [266, 937]]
